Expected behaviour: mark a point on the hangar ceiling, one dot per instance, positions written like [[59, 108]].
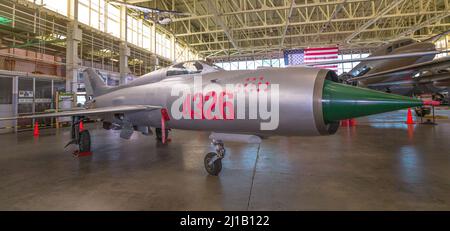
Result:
[[224, 28]]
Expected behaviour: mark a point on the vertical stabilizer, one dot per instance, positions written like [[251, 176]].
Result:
[[94, 84]]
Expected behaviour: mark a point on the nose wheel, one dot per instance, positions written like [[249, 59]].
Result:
[[213, 160], [213, 165]]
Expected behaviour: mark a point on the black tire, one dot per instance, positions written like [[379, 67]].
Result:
[[158, 132], [216, 167], [85, 141]]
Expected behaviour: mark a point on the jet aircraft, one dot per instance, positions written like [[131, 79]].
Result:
[[241, 105], [162, 17], [404, 75]]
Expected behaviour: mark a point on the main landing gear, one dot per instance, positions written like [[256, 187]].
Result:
[[159, 136], [422, 111], [80, 137], [84, 143], [213, 160]]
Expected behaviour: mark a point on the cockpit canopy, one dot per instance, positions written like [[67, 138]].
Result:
[[387, 49], [177, 70], [357, 72], [191, 67]]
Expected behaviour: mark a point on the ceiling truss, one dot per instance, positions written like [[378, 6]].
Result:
[[224, 28]]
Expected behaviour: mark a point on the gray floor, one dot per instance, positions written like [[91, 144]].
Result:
[[381, 164]]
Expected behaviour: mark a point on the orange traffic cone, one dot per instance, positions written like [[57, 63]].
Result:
[[409, 118], [36, 129], [81, 126]]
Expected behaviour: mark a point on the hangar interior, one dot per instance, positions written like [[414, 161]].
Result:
[[380, 163]]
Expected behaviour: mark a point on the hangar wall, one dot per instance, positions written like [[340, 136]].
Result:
[[37, 35], [15, 59], [6, 106], [23, 94]]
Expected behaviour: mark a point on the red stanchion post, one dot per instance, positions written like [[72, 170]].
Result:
[[81, 126], [36, 129]]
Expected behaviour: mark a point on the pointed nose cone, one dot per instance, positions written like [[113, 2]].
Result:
[[341, 101]]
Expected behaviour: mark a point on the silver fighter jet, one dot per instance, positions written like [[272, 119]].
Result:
[[242, 106]]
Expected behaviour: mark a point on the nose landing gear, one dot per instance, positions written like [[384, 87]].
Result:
[[159, 135], [213, 160]]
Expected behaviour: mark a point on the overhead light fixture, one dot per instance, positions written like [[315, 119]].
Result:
[[51, 37], [133, 62], [164, 21]]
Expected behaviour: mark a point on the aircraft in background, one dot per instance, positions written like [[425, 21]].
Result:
[[162, 17], [241, 105], [404, 75]]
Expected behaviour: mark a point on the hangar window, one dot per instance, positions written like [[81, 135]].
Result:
[[57, 6], [163, 45], [134, 30], [113, 20], [5, 90], [92, 13], [185, 68]]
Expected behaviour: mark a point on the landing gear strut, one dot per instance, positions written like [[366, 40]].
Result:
[[213, 160], [159, 135], [422, 111]]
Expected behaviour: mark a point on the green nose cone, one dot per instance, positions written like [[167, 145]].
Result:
[[340, 101]]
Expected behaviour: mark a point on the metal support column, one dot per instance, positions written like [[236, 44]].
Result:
[[33, 107], [74, 36], [52, 104], [153, 45], [124, 49], [15, 100], [173, 47], [153, 39], [123, 62]]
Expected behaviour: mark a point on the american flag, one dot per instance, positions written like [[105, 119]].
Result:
[[312, 55]]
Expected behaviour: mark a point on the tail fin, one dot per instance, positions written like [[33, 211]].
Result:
[[94, 84]]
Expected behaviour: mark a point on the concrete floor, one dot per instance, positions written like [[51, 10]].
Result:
[[381, 164]]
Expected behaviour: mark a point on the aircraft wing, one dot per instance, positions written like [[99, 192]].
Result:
[[422, 80], [149, 10], [85, 112], [435, 66], [374, 58], [138, 8]]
